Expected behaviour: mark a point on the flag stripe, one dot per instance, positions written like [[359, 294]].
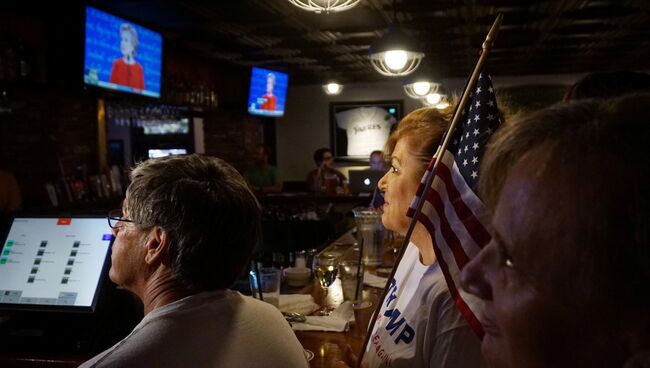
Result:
[[459, 216], [448, 233], [471, 207], [474, 227], [463, 308]]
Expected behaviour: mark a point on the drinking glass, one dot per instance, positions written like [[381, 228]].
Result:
[[268, 284], [351, 274], [371, 232], [326, 267]]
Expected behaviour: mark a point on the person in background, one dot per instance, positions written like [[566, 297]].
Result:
[[269, 98], [10, 197], [608, 84], [126, 71], [185, 232], [261, 176], [566, 277], [418, 323], [377, 161], [319, 179]]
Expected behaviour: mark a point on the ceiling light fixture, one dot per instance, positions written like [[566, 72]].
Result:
[[433, 98], [327, 6], [442, 105], [332, 88], [395, 54], [420, 88], [437, 100]]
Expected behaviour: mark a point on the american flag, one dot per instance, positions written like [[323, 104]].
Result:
[[452, 212]]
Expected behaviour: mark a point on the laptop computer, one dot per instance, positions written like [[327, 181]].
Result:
[[364, 181]]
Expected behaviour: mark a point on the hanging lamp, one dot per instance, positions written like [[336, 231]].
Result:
[[395, 54], [332, 88], [326, 6], [422, 87]]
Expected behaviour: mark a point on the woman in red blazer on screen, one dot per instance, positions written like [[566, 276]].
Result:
[[269, 98], [126, 71]]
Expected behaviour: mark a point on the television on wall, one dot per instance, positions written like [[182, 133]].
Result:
[[121, 55], [268, 92]]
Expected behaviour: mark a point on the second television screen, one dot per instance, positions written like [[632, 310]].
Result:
[[268, 92], [121, 55]]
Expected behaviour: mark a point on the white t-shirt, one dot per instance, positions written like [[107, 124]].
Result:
[[419, 325], [367, 129], [212, 329]]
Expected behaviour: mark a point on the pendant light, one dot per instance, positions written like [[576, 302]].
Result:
[[327, 6], [421, 87], [395, 54], [333, 88]]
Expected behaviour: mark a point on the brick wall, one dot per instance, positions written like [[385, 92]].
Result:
[[45, 132], [232, 135]]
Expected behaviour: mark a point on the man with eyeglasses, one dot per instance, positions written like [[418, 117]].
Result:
[[325, 178], [185, 232]]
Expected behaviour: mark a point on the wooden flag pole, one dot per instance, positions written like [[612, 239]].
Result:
[[487, 45]]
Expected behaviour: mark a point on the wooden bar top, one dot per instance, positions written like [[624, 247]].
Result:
[[328, 347]]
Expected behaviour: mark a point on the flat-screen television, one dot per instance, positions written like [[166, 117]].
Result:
[[268, 92], [162, 152], [121, 55], [54, 263]]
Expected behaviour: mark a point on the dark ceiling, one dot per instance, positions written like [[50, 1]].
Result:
[[542, 37]]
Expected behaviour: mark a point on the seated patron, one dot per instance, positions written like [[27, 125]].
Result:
[[10, 198], [566, 277], [260, 176], [185, 232], [419, 324], [377, 161], [325, 178]]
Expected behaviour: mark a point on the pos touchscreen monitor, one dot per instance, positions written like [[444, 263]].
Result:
[[54, 263]]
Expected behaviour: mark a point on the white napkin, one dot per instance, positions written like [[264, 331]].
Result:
[[297, 303], [337, 321], [374, 280]]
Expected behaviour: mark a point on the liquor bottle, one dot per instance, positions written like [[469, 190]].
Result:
[[24, 68]]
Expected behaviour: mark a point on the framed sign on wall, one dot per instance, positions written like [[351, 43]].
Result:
[[358, 128]]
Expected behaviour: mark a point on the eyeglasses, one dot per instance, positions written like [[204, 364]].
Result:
[[328, 157], [115, 216]]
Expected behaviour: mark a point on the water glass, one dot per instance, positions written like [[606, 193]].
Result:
[[371, 232], [268, 283], [351, 275]]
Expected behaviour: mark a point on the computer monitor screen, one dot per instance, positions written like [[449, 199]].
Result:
[[155, 153], [364, 181], [54, 263], [268, 92], [121, 55]]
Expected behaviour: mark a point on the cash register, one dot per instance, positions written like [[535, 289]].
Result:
[[53, 283]]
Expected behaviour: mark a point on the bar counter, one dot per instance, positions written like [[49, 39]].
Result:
[[327, 347]]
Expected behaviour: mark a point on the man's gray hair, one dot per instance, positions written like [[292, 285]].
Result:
[[207, 210]]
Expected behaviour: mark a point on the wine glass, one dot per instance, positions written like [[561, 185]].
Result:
[[326, 266]]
